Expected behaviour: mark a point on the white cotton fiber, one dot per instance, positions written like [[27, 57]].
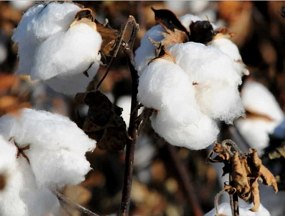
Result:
[[70, 52], [205, 64], [258, 99], [53, 18], [160, 79], [220, 101], [70, 84], [8, 153], [146, 51], [229, 48], [225, 209], [195, 135], [50, 135], [165, 87], [256, 132]]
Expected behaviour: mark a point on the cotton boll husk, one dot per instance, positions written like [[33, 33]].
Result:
[[70, 52], [229, 48], [193, 135], [205, 64], [74, 83], [258, 99], [146, 51], [256, 132], [161, 82], [225, 209], [62, 167], [187, 19], [219, 101]]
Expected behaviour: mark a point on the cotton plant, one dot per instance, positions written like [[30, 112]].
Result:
[[43, 153], [189, 72], [59, 44]]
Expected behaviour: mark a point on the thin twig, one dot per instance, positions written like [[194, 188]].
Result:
[[234, 202], [76, 206], [132, 130], [217, 199]]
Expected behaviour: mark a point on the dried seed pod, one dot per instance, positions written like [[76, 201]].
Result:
[[104, 122], [201, 32]]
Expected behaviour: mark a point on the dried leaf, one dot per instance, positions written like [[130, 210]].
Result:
[[268, 178], [255, 196], [103, 122]]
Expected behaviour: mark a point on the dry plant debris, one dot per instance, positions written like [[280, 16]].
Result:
[[104, 122], [245, 171]]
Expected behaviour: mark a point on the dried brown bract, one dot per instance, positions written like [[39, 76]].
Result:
[[104, 122], [245, 172]]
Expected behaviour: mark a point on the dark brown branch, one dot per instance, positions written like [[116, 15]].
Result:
[[81, 209], [132, 130]]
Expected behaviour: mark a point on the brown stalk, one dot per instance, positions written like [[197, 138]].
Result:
[[131, 29]]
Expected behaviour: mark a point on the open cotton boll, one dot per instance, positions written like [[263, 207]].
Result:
[[161, 83], [193, 135], [146, 51], [229, 48], [225, 209], [50, 136], [71, 84], [258, 99], [70, 52], [219, 101], [205, 64], [256, 132]]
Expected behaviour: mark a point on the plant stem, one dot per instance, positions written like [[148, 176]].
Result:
[[132, 130], [234, 202]]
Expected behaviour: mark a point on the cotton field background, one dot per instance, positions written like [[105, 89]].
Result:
[[166, 108]]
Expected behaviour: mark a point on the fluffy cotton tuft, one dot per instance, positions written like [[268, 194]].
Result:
[[55, 48], [191, 92], [62, 155], [166, 88], [225, 209]]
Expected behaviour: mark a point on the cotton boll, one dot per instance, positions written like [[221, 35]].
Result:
[[50, 136], [256, 132], [258, 99], [193, 135], [219, 101], [205, 64], [71, 52], [229, 48], [225, 209], [146, 51], [70, 84]]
